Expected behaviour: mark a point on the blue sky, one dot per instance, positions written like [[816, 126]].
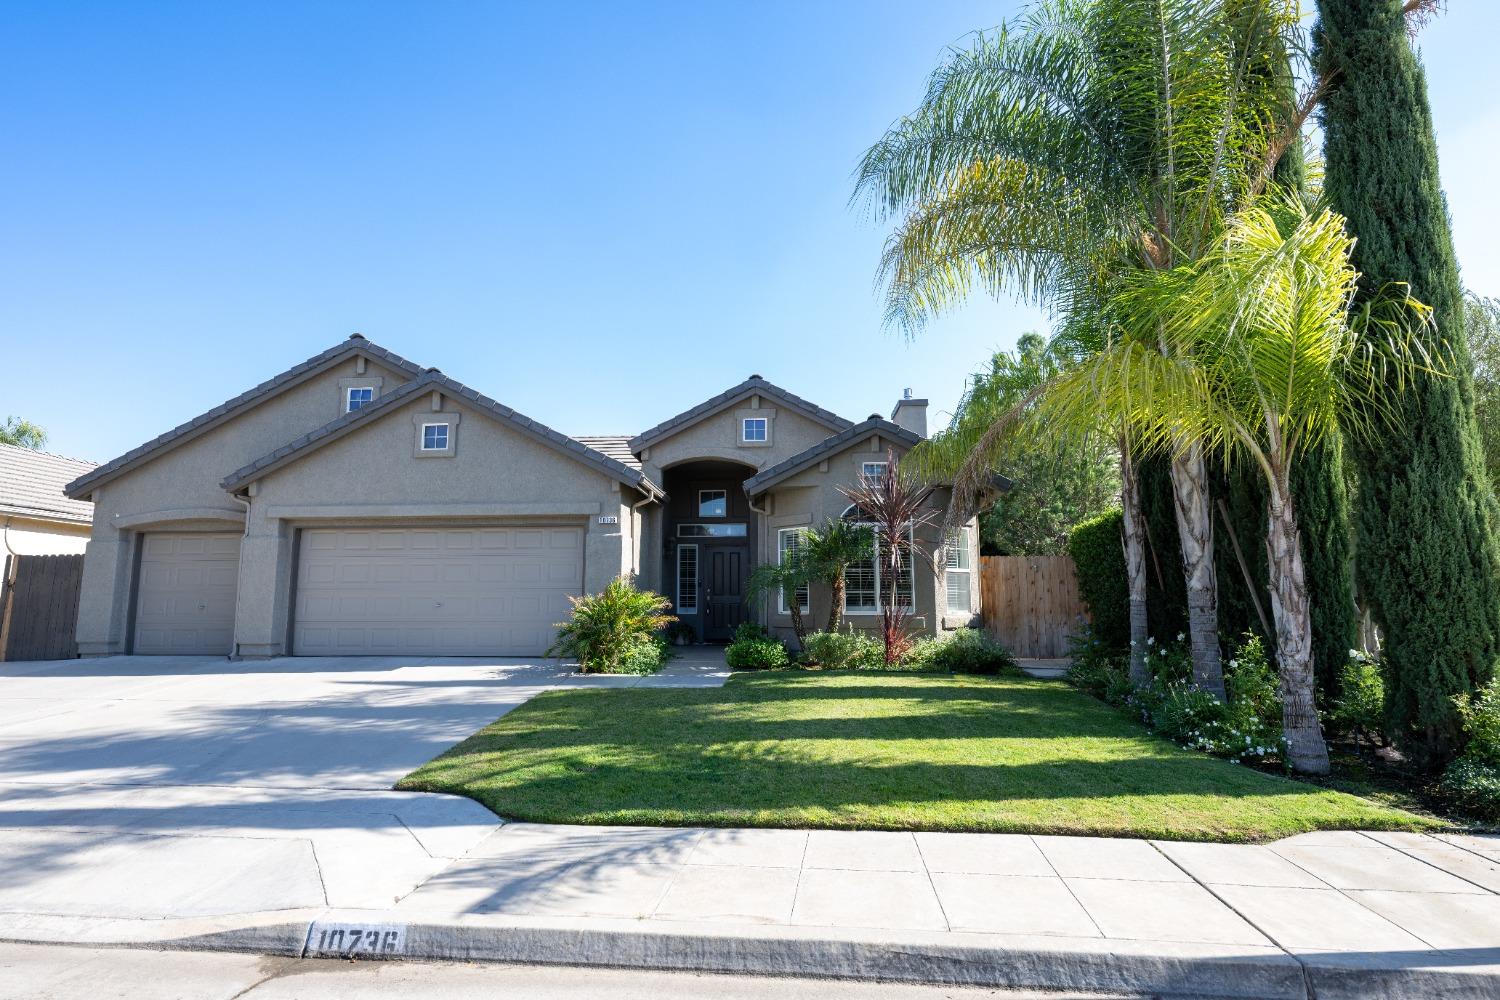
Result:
[[652, 199]]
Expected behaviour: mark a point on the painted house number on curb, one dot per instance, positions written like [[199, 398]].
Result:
[[348, 940]]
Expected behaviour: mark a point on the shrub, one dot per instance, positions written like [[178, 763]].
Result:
[[1183, 713], [1097, 668], [1252, 685], [1481, 718], [969, 651], [1360, 706], [1099, 558], [610, 628], [843, 650], [750, 631], [1472, 786], [756, 654], [645, 658]]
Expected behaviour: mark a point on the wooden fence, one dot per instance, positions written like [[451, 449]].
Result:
[[1031, 603], [39, 607]]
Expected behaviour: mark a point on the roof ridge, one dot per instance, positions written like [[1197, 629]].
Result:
[[49, 454], [829, 444]]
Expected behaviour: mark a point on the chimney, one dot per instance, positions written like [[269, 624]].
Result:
[[911, 414]]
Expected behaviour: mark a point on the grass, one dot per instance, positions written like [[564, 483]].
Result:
[[873, 750]]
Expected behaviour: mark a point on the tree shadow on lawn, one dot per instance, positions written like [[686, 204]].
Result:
[[896, 752]]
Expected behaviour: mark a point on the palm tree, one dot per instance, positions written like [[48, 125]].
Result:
[[1266, 360], [784, 578], [1080, 144], [829, 552], [22, 433]]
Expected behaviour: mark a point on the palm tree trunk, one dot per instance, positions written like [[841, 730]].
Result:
[[1291, 609], [1195, 530], [799, 629], [836, 609], [1135, 565]]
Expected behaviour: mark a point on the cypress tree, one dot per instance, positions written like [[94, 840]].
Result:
[[1428, 558]]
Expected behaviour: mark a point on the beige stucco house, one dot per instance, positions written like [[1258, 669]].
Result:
[[36, 519], [360, 504]]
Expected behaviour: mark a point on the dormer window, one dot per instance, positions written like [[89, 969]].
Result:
[[753, 430], [434, 437], [356, 397]]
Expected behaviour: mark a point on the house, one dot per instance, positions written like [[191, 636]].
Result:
[[360, 504], [36, 518]]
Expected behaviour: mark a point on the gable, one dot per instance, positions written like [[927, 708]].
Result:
[[439, 394], [738, 396], [297, 408], [840, 454], [379, 462], [187, 475]]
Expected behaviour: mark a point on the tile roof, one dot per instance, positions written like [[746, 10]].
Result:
[[751, 386], [616, 446], [766, 478], [356, 344], [31, 485], [434, 379]]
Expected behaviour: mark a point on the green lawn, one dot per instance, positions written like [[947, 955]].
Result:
[[873, 751]]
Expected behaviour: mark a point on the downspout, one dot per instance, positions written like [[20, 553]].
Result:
[[238, 567], [635, 568], [765, 514]]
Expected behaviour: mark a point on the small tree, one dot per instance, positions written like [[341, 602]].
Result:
[[829, 552], [895, 506], [784, 578]]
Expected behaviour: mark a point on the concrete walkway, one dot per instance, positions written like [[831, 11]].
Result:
[[246, 807]]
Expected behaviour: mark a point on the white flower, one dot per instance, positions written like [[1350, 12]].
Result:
[[1150, 641], [1179, 636]]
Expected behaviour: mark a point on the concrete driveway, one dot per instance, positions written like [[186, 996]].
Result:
[[155, 787]]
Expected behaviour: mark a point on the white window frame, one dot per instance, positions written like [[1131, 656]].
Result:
[[349, 406], [957, 560], [804, 593], [697, 578], [723, 493], [876, 563], [422, 440], [765, 430], [878, 477]]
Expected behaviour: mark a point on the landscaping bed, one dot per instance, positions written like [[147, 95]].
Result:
[[875, 750]]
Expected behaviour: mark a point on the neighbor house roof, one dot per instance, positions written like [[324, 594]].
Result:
[[752, 386], [616, 446], [429, 380], [767, 478], [31, 485], [204, 422]]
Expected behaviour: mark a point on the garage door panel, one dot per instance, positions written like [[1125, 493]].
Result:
[[461, 591], [185, 593]]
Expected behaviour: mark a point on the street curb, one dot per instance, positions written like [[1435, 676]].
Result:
[[1223, 972]]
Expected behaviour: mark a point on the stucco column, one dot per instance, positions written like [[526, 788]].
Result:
[[103, 604], [261, 606]]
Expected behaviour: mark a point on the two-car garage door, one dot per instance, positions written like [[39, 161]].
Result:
[[484, 591]]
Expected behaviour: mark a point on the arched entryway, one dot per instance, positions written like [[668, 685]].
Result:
[[709, 545]]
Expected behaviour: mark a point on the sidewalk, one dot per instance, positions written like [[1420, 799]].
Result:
[[1328, 914]]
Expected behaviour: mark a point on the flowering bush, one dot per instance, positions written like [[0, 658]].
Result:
[[1248, 727]]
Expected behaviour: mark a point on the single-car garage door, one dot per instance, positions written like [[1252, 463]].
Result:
[[489, 591], [186, 590]]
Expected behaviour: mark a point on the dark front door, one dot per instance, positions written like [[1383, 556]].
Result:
[[724, 591]]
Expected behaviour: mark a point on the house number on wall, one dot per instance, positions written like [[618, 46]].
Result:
[[348, 940], [608, 519]]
